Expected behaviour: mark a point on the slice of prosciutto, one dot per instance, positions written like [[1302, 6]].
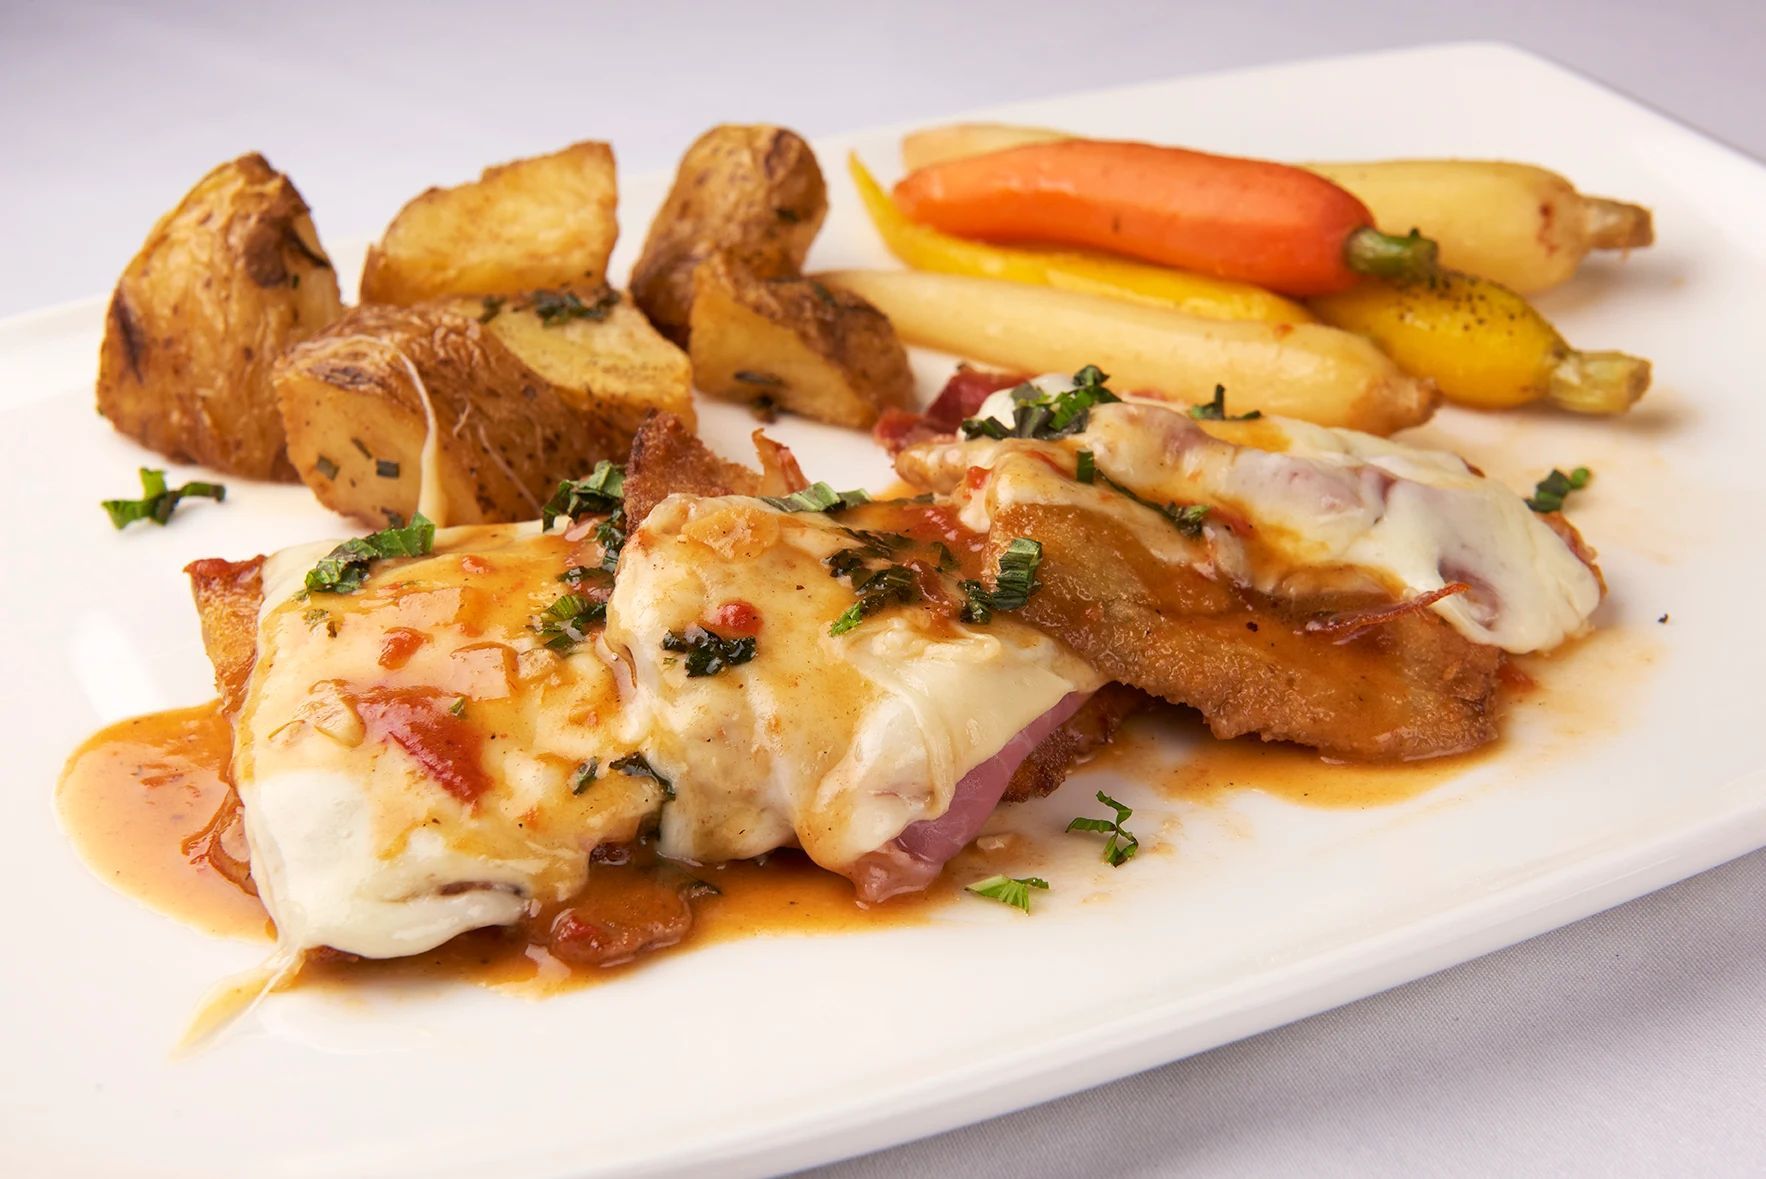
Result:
[[913, 859], [877, 745]]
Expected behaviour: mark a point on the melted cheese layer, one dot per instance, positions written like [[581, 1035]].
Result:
[[1319, 501], [406, 754], [365, 837], [834, 743]]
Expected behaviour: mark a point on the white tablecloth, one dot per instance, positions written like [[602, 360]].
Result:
[[1633, 1043]]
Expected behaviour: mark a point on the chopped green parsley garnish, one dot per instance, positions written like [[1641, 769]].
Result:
[[1122, 845], [584, 774], [610, 535], [1550, 492], [316, 617], [325, 467], [602, 490], [557, 307], [386, 468], [1036, 414], [882, 542], [877, 589], [1215, 410], [636, 765], [345, 568], [1008, 890], [708, 652], [158, 501], [872, 546], [817, 497], [577, 574], [1012, 585], [565, 622], [458, 707], [1186, 518], [1085, 467]]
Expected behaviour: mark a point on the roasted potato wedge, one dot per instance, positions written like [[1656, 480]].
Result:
[[755, 191], [597, 350], [826, 354], [387, 392], [546, 221], [225, 282]]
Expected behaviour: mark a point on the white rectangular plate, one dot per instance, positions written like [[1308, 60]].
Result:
[[780, 1052]]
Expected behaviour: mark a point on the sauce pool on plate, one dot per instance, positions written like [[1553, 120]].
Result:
[[146, 802], [138, 798], [141, 800]]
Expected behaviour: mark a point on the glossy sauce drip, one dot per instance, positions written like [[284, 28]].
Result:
[[1211, 769], [137, 797], [782, 895], [928, 525]]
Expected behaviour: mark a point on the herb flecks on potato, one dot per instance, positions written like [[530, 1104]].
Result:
[[361, 400], [224, 283], [755, 192], [795, 344], [598, 350], [546, 222]]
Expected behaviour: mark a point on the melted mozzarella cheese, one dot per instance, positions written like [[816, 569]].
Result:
[[364, 835], [832, 743], [1408, 519]]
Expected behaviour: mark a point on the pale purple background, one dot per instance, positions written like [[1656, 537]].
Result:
[[1633, 1043]]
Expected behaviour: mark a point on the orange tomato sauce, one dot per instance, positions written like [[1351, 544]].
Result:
[[1212, 769], [143, 802], [136, 799], [139, 799]]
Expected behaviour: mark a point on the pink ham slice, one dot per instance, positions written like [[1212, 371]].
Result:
[[913, 859]]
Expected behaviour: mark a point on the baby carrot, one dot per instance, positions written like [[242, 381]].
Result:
[[1248, 220]]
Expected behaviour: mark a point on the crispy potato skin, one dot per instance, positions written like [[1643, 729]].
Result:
[[224, 283], [755, 191], [824, 353], [618, 365], [357, 421], [545, 221]]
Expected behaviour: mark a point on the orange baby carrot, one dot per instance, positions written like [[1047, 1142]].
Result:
[[1249, 220]]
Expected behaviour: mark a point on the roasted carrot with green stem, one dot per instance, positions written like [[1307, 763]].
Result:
[[1248, 220], [924, 248], [1524, 226]]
